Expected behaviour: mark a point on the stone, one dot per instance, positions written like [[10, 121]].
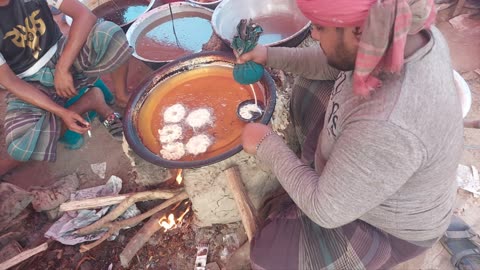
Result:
[[50, 197], [240, 259], [212, 266], [147, 173], [211, 199], [99, 169], [9, 251], [12, 202]]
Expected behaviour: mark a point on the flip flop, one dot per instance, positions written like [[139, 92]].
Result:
[[459, 242]]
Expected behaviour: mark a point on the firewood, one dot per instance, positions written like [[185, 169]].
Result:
[[23, 256], [93, 203], [140, 238], [115, 227], [244, 204], [124, 205]]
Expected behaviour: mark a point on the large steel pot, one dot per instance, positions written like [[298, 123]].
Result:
[[154, 82], [229, 12]]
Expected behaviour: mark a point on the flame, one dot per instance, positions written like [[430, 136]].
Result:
[[171, 222], [179, 176], [167, 224]]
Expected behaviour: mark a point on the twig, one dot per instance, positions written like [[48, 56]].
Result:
[[93, 203], [115, 227], [23, 256], [123, 206]]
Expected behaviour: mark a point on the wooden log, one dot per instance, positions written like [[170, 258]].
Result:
[[93, 203], [124, 205], [140, 238], [244, 204], [115, 227], [23, 256]]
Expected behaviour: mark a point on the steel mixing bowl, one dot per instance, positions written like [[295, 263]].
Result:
[[229, 13]]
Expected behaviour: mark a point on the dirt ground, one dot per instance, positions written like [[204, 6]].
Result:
[[176, 249]]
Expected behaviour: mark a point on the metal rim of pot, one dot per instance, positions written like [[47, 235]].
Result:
[[291, 41], [170, 69], [124, 26], [211, 5], [132, 38]]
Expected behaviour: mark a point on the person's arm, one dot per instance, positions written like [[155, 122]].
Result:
[[369, 163], [83, 21], [310, 62], [34, 96]]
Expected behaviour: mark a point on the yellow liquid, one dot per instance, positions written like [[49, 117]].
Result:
[[208, 87]]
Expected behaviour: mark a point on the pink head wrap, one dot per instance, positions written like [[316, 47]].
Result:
[[382, 20]]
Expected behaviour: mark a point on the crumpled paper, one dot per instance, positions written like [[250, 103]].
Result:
[[468, 179], [62, 230]]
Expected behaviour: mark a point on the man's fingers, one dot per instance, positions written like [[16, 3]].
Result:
[[82, 121]]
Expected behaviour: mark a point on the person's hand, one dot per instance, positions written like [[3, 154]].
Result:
[[74, 122], [257, 55], [251, 136], [64, 83]]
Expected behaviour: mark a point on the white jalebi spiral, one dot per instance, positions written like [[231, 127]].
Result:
[[198, 144], [174, 113], [199, 118], [170, 133], [173, 151]]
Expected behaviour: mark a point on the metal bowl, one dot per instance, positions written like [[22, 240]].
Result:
[[162, 14], [211, 4], [94, 4], [138, 99], [229, 13]]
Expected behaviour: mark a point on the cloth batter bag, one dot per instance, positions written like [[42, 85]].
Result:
[[245, 41]]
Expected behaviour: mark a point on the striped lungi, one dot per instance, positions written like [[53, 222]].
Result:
[[307, 107], [32, 133], [289, 240]]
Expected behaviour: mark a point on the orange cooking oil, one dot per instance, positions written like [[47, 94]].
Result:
[[206, 87]]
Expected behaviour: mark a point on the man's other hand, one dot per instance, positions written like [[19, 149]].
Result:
[[74, 121], [252, 135], [64, 83]]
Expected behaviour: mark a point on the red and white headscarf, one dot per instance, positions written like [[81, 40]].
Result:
[[385, 24]]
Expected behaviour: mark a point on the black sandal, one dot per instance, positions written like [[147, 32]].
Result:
[[114, 125], [459, 241]]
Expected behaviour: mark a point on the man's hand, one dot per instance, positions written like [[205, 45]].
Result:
[[252, 134], [74, 122], [64, 83], [257, 55]]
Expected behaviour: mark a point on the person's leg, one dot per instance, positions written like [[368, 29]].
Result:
[[290, 240], [7, 164], [119, 78], [106, 52], [93, 100]]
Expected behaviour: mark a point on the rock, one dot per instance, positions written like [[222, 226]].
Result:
[[148, 174], [9, 251], [48, 198], [211, 199], [12, 202], [240, 259], [212, 266], [99, 169]]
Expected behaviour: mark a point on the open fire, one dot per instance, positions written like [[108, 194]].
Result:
[[170, 222], [179, 176]]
